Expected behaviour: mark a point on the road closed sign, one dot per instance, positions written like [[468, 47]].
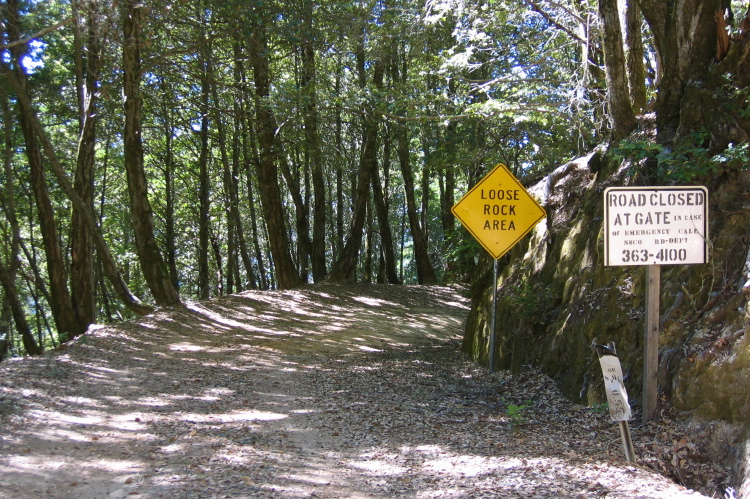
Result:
[[498, 211], [655, 225]]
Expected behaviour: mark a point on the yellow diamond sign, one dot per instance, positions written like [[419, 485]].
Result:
[[498, 211]]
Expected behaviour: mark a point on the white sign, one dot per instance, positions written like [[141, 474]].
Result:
[[655, 225], [617, 397]]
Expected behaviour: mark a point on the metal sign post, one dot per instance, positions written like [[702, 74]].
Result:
[[491, 360], [654, 226], [627, 442]]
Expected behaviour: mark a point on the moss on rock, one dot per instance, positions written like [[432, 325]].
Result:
[[555, 297]]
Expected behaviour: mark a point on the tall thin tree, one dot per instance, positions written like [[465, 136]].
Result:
[[149, 256], [88, 45], [270, 192], [345, 268], [620, 108], [312, 141], [60, 300]]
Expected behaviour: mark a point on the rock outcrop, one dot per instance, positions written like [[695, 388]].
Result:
[[555, 297]]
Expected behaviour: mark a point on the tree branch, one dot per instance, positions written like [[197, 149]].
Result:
[[564, 8], [190, 49], [455, 117], [38, 34], [549, 19]]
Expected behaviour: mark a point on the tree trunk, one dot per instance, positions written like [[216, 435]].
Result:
[[345, 268], [312, 145], [402, 244], [425, 205], [152, 264], [6, 332], [238, 151], [304, 244], [204, 184], [60, 300], [685, 41], [592, 76], [447, 200], [367, 266], [425, 272], [338, 229], [235, 236], [386, 236], [9, 208], [216, 247], [620, 110], [630, 17], [88, 66], [262, 274], [19, 314], [448, 192], [270, 192], [169, 188], [339, 236], [249, 145]]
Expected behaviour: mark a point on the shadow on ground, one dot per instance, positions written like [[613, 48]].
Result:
[[326, 391]]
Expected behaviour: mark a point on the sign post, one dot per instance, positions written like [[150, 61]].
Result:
[[498, 212], [654, 226], [651, 344]]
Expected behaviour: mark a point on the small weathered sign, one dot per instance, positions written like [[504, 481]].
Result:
[[655, 225], [617, 396], [498, 211]]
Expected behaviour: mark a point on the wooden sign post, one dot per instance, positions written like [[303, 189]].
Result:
[[651, 344]]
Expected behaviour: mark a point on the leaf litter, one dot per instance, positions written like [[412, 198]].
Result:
[[327, 391]]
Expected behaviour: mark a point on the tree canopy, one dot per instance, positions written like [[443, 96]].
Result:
[[176, 150]]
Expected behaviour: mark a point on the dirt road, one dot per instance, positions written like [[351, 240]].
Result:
[[327, 391]]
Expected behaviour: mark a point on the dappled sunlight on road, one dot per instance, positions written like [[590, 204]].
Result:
[[239, 397], [196, 384]]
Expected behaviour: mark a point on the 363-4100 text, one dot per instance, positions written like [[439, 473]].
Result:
[[663, 255]]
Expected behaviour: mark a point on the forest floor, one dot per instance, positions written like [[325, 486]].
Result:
[[326, 391]]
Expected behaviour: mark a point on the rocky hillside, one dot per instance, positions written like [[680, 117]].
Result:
[[555, 297]]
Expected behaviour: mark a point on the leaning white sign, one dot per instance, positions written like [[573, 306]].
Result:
[[655, 225], [617, 397]]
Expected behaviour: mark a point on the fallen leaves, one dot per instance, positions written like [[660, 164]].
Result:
[[273, 396]]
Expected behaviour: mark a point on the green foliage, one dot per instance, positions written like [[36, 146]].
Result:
[[515, 412], [734, 157], [463, 250], [600, 408], [688, 161], [534, 305], [636, 150]]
